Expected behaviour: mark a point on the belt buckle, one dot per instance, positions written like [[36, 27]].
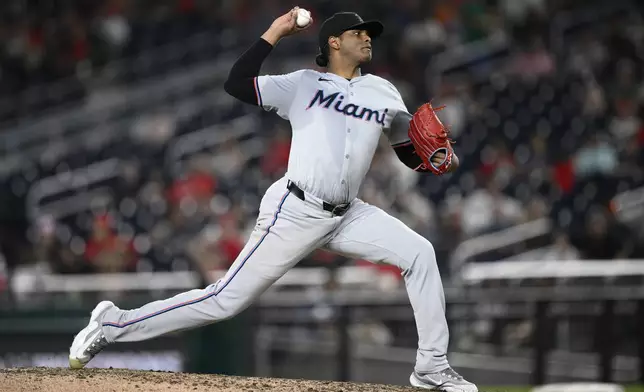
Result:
[[340, 208]]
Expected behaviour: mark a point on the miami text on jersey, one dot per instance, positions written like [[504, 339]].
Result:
[[348, 110]]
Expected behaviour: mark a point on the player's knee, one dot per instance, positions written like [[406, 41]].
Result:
[[424, 257], [232, 309]]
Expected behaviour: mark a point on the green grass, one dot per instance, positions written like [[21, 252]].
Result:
[[634, 388]]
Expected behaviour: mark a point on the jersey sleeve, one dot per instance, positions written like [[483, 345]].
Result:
[[276, 92], [398, 123], [397, 129]]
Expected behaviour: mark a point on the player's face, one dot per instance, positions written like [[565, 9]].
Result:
[[356, 45]]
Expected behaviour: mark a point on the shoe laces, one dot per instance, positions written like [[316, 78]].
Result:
[[451, 374], [97, 345]]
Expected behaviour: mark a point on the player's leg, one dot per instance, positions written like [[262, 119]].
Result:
[[369, 233], [287, 230]]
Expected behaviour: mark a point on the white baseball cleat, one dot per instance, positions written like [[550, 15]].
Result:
[[90, 340], [446, 380]]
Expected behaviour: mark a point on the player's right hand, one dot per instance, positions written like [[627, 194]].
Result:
[[284, 26]]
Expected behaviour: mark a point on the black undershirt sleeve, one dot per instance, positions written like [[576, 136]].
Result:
[[403, 147], [407, 155], [240, 83]]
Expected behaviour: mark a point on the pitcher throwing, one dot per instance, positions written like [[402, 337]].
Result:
[[337, 118]]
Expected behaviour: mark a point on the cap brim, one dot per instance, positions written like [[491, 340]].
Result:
[[373, 27]]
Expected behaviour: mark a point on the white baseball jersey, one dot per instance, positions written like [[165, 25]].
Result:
[[336, 126]]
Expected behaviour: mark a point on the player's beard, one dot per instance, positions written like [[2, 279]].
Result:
[[356, 56], [364, 56]]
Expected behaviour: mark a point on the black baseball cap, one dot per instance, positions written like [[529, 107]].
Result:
[[338, 24]]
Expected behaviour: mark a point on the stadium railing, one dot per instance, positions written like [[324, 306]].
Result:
[[29, 284], [628, 207], [469, 249], [78, 179], [193, 142], [476, 273]]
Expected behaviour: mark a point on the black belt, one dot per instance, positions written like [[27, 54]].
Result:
[[338, 210]]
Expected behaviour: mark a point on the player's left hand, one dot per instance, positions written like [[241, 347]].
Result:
[[438, 158], [431, 140]]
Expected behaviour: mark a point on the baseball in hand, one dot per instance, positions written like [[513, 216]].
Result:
[[303, 18]]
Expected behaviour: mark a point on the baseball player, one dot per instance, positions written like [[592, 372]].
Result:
[[336, 118]]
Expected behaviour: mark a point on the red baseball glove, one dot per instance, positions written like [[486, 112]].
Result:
[[429, 136]]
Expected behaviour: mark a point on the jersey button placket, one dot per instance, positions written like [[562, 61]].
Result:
[[347, 148], [347, 155]]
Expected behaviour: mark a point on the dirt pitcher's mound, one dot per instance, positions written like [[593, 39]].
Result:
[[121, 380]]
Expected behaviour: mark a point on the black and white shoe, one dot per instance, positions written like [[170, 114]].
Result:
[[90, 340], [446, 380]]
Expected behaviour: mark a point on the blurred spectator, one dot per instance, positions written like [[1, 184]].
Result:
[[596, 156], [624, 88], [447, 13], [488, 209], [4, 273], [131, 180], [49, 249], [229, 161], [408, 73], [536, 209], [620, 45], [626, 124], [113, 32], [388, 178], [151, 194], [450, 235], [631, 160], [154, 129], [562, 249], [275, 160], [108, 251], [231, 242], [594, 102], [425, 35], [192, 192], [77, 37], [204, 251], [532, 61], [478, 20], [564, 175], [603, 237], [371, 332], [497, 162], [418, 213], [372, 194], [220, 242], [588, 53], [456, 99], [536, 167], [518, 11]]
